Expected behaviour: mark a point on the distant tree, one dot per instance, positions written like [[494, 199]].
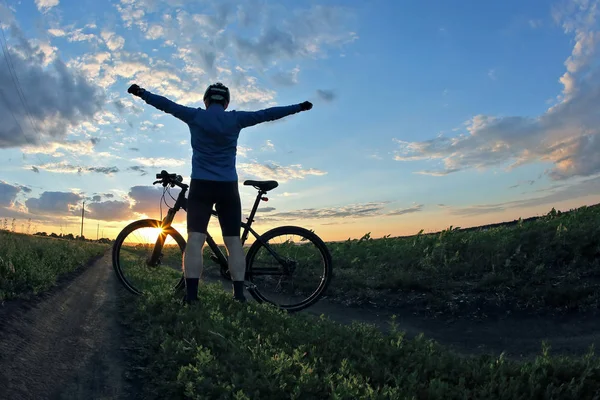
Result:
[[13, 226], [69, 236], [54, 235]]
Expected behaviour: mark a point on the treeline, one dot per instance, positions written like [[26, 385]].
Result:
[[70, 236], [27, 228]]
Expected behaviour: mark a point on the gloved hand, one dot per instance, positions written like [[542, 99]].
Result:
[[135, 90], [307, 105]]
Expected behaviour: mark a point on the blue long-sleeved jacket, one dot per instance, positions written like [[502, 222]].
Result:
[[214, 133]]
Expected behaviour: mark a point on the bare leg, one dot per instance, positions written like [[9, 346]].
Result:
[[237, 264], [193, 263]]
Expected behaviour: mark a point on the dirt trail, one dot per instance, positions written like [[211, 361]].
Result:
[[519, 337], [65, 345]]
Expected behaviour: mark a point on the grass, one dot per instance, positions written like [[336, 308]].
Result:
[[547, 265], [225, 350], [32, 264]]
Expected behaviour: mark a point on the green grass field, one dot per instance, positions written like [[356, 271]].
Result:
[[31, 264], [227, 350]]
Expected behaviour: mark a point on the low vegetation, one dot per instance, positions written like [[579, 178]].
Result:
[[225, 350], [221, 349], [32, 264], [549, 265]]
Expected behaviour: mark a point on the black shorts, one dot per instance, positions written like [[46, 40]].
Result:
[[225, 196]]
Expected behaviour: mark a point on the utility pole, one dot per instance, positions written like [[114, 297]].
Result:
[[82, 212]]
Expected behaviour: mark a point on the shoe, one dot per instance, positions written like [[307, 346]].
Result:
[[185, 300]]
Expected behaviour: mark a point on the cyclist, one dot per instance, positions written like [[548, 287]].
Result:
[[214, 181]]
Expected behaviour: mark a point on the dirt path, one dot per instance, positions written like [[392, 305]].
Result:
[[65, 345], [518, 336]]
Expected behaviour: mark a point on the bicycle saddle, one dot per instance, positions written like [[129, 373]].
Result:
[[262, 185]]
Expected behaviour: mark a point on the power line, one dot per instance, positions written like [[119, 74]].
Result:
[[6, 55]]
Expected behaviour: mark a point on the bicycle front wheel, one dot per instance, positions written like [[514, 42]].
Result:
[[289, 267], [147, 256]]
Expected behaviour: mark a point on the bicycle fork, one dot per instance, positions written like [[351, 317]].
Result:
[[156, 256]]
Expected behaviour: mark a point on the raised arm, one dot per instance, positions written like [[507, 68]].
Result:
[[184, 113], [250, 118]]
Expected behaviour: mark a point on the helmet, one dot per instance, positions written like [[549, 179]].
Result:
[[217, 93]]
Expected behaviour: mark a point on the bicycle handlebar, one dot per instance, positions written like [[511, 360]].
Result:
[[168, 179]]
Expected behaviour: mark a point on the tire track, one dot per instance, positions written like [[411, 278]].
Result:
[[67, 346]]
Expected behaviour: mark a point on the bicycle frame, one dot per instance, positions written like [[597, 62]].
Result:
[[218, 256]]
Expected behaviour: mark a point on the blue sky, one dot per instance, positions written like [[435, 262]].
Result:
[[425, 115]]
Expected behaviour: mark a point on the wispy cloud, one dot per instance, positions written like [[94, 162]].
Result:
[[550, 198], [361, 210], [45, 5], [326, 95], [159, 162], [64, 167], [276, 171]]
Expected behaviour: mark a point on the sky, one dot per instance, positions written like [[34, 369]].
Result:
[[426, 114]]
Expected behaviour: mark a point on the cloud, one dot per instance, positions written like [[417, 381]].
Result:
[[24, 188], [110, 211], [566, 136], [73, 146], [362, 210], [113, 41], [8, 194], [492, 74], [301, 34], [214, 46], [51, 203], [63, 98], [160, 162], [35, 169], [104, 170], [155, 32], [265, 209], [138, 168], [409, 210], [65, 167], [45, 5], [551, 196], [326, 95], [134, 149], [269, 146], [276, 171], [287, 78], [145, 125], [520, 183], [96, 198], [147, 200], [57, 32]]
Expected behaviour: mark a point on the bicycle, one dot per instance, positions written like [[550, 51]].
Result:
[[142, 267]]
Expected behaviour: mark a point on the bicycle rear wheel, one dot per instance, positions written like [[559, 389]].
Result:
[[289, 273], [146, 256]]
